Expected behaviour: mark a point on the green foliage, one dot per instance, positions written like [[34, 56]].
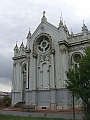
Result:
[[7, 101], [79, 81]]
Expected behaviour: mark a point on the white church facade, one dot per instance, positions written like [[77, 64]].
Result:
[[39, 68]]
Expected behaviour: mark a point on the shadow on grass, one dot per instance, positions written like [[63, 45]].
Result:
[[9, 117]]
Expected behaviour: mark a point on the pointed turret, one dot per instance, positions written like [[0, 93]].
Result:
[[65, 27], [61, 21], [21, 47], [29, 34], [16, 49], [84, 30], [28, 41], [43, 19], [62, 29]]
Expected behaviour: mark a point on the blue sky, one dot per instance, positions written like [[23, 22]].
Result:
[[17, 16]]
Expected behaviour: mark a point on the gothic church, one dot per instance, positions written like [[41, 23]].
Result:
[[39, 68]]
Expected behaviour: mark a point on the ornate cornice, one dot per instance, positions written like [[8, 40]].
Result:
[[73, 46], [74, 43], [19, 57], [28, 51]]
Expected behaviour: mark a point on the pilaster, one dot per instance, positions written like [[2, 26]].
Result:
[[53, 73], [35, 68]]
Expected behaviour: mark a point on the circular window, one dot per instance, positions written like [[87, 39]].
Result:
[[43, 44], [77, 58]]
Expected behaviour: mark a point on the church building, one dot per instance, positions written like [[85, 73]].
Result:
[[39, 67]]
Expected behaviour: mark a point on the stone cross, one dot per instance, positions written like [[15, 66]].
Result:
[[44, 13]]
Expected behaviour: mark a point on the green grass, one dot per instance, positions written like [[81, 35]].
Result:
[[9, 117]]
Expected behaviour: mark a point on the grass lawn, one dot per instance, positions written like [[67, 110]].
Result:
[[9, 117]]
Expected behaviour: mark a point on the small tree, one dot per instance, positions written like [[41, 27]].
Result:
[[7, 101], [79, 82]]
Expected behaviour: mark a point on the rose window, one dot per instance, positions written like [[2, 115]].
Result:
[[43, 45]]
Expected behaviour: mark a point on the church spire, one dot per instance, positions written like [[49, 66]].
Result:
[[22, 45], [29, 34], [61, 21], [28, 41], [16, 50], [16, 47]]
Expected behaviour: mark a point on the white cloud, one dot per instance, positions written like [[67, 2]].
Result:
[[5, 88], [5, 84]]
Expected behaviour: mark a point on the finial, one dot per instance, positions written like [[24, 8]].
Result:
[[22, 40], [44, 13], [29, 33], [72, 33], [83, 24], [22, 43], [65, 27], [61, 14], [61, 20], [64, 23], [16, 43], [16, 47]]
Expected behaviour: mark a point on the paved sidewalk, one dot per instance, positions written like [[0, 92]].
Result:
[[41, 114]]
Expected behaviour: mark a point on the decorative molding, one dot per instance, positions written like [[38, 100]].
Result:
[[37, 38], [78, 47], [53, 51], [63, 49], [72, 61], [19, 57], [27, 51], [34, 55]]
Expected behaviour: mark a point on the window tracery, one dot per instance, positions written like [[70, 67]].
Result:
[[43, 44], [76, 57]]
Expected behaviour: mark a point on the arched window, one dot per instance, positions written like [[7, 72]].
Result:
[[75, 59]]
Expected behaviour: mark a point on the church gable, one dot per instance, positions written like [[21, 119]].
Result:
[[45, 27]]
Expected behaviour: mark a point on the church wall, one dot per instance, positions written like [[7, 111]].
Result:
[[16, 97], [49, 99]]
